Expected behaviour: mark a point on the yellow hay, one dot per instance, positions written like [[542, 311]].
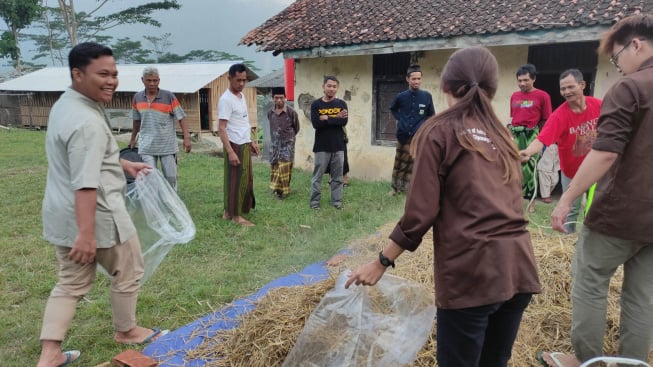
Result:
[[267, 334]]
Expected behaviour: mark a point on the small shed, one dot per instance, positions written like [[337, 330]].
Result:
[[198, 87]]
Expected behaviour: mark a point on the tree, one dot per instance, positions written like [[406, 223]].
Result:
[[160, 45], [8, 46], [17, 14], [61, 27], [87, 26], [53, 43], [130, 52]]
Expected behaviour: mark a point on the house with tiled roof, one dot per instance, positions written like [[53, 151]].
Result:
[[368, 44]]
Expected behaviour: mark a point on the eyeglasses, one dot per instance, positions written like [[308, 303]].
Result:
[[615, 58]]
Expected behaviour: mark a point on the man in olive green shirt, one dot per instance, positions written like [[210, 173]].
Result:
[[84, 213]]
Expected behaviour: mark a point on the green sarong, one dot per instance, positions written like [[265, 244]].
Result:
[[523, 137]]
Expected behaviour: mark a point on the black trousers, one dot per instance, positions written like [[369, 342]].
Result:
[[479, 336]]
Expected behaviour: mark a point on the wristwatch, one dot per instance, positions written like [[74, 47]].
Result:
[[385, 261]]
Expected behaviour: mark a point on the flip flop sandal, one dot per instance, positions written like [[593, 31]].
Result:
[[71, 356], [156, 333]]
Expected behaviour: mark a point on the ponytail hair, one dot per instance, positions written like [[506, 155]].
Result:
[[471, 76]]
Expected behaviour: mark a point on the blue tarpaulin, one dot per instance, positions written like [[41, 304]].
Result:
[[171, 349]]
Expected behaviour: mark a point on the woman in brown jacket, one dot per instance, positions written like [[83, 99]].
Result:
[[467, 187]]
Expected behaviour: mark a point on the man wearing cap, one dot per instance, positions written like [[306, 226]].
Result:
[[284, 125]]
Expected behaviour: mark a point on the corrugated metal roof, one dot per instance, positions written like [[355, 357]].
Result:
[[177, 78], [272, 80]]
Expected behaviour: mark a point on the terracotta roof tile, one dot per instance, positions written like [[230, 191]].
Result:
[[325, 23]]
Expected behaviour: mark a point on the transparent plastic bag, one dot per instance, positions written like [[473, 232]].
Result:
[[160, 217], [381, 326]]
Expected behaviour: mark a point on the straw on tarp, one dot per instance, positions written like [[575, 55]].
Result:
[[267, 334]]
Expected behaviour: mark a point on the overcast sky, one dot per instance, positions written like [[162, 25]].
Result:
[[202, 24]]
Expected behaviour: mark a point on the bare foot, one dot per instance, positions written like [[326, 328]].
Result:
[[531, 208], [242, 221], [226, 216], [138, 335]]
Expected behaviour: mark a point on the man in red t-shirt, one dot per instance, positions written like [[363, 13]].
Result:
[[529, 109], [573, 127]]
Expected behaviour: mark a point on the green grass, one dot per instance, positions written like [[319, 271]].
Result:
[[224, 262]]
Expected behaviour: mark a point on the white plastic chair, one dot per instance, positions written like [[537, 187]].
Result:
[[610, 361]]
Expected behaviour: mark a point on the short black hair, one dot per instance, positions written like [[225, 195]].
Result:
[[527, 69], [278, 91], [413, 69], [577, 74], [82, 54], [237, 68], [330, 77]]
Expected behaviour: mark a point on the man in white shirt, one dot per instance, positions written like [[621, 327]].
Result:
[[235, 134]]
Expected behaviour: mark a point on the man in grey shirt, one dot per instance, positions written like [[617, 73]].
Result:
[[154, 111]]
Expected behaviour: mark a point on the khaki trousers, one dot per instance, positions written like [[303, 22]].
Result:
[[596, 258], [123, 262]]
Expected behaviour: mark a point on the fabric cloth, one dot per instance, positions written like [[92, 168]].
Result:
[[402, 168], [548, 174], [234, 109], [548, 169], [335, 162], [82, 153], [476, 217], [168, 166], [528, 109], [572, 216], [329, 135], [280, 176], [523, 137], [239, 182], [479, 336], [411, 108], [284, 125], [622, 205], [573, 132], [157, 135], [125, 265], [596, 259]]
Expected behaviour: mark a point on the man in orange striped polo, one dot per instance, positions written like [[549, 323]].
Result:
[[154, 112]]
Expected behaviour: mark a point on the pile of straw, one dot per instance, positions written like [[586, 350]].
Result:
[[267, 334]]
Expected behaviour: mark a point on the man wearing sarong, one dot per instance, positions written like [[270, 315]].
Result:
[[410, 108], [235, 134], [284, 125], [529, 109]]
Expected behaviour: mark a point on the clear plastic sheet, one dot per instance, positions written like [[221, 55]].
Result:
[[160, 217], [381, 326]]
